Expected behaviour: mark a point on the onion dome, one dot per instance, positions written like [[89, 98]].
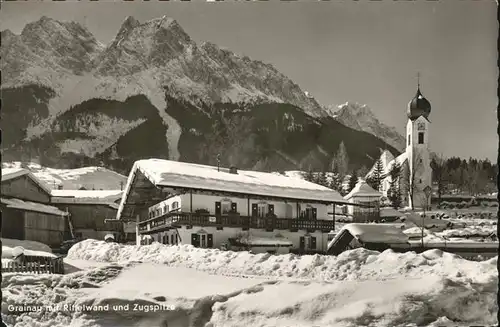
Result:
[[419, 106]]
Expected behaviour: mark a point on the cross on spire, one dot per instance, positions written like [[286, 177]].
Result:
[[418, 80]]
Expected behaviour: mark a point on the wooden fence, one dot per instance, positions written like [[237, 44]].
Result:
[[35, 265]]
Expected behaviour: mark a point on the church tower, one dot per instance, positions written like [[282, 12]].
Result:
[[417, 150]]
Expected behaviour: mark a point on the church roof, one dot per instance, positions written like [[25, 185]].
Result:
[[418, 106], [363, 189]]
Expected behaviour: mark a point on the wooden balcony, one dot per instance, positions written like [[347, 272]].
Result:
[[176, 220]]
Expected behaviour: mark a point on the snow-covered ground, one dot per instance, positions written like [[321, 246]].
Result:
[[187, 286]]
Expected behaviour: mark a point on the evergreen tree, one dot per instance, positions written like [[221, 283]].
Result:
[[321, 179], [363, 171], [394, 192], [353, 180], [309, 176], [335, 182]]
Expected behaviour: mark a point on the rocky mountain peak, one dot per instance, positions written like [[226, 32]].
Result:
[[355, 109], [360, 117]]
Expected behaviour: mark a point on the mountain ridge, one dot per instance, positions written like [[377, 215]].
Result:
[[152, 91], [360, 117]]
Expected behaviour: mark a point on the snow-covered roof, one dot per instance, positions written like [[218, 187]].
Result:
[[166, 173], [11, 173], [87, 197], [362, 189], [32, 206], [87, 193], [389, 212], [376, 233], [10, 252]]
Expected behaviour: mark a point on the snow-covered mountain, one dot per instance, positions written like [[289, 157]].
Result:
[[153, 92], [143, 58], [361, 117]]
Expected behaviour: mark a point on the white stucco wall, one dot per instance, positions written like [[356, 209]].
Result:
[[168, 202], [207, 202], [222, 236], [423, 170]]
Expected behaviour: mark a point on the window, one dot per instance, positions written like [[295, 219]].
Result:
[[420, 138], [307, 242], [202, 239], [262, 209], [409, 139], [421, 160], [175, 205], [167, 208], [226, 206], [420, 181], [309, 213]]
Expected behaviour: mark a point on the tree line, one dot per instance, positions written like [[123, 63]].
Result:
[[449, 176], [460, 176]]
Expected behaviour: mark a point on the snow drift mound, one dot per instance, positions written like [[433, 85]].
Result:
[[359, 264], [430, 301]]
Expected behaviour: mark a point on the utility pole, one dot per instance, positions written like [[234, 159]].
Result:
[[218, 162]]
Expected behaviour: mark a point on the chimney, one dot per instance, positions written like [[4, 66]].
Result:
[[233, 170]]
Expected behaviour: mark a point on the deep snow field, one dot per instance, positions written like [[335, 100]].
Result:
[[186, 286]]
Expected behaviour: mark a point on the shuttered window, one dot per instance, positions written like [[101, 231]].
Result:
[[195, 240], [255, 210]]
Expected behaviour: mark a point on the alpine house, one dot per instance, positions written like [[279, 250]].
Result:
[[211, 207]]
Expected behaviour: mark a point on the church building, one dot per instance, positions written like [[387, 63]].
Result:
[[415, 161]]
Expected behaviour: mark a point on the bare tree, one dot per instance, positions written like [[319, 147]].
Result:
[[411, 173], [440, 175]]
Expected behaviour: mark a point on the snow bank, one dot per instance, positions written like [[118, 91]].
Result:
[[358, 264], [469, 231], [356, 288], [430, 301]]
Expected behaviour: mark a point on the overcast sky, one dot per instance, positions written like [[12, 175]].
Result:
[[360, 51]]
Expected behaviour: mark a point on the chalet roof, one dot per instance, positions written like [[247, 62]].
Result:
[[32, 206], [13, 173], [107, 197], [364, 190], [173, 174], [376, 233]]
